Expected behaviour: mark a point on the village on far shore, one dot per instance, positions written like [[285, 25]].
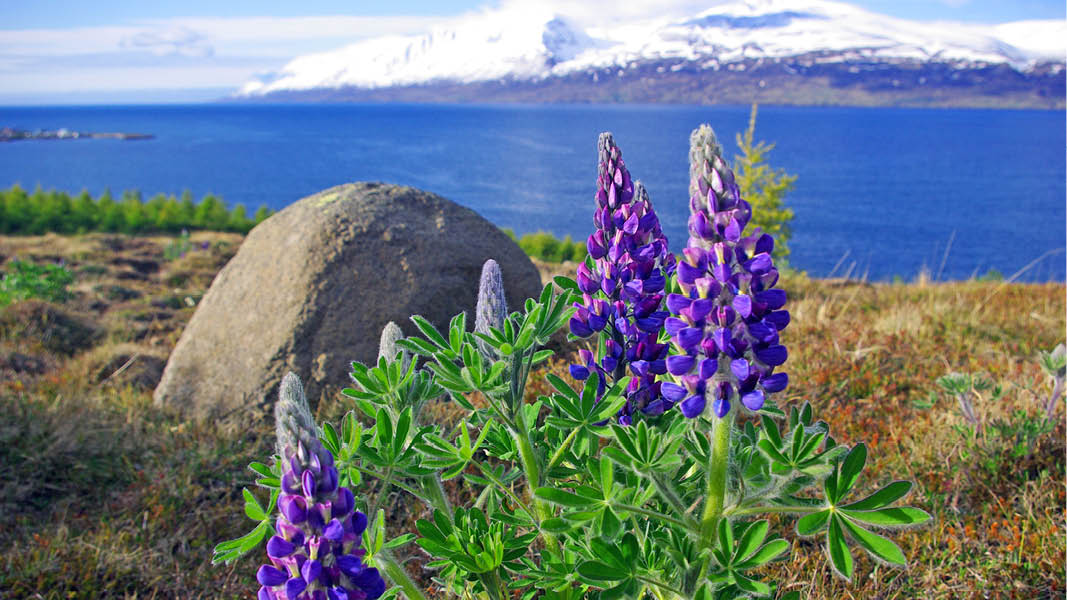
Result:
[[9, 134]]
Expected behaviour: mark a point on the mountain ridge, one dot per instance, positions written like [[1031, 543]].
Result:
[[749, 50]]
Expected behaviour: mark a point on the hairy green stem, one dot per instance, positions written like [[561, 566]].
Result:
[[435, 492], [558, 454], [395, 573], [669, 494], [661, 585], [718, 463], [650, 514], [760, 510]]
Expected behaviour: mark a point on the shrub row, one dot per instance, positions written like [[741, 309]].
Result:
[[42, 212]]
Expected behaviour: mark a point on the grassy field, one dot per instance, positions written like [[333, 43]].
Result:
[[102, 495]]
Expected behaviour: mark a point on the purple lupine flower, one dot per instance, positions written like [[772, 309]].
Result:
[[622, 293], [725, 326], [316, 552]]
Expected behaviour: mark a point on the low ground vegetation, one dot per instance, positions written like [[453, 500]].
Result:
[[102, 495]]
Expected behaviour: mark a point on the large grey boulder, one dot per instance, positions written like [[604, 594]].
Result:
[[311, 288]]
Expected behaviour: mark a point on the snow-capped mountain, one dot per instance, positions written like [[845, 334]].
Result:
[[536, 45]]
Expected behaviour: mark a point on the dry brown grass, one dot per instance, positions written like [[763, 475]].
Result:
[[101, 495]]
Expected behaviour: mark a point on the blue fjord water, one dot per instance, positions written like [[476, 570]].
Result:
[[881, 191]]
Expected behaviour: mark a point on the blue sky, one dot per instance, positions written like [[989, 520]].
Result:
[[62, 51]]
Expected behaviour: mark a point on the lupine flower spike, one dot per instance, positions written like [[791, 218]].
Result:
[[492, 307], [622, 294], [315, 554], [725, 325]]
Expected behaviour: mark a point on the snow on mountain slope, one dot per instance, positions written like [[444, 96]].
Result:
[[530, 43]]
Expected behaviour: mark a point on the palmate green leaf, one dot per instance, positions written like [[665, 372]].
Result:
[[430, 332], [878, 546], [882, 498], [557, 496], [837, 549], [751, 586], [231, 550], [252, 507], [810, 524], [850, 470], [899, 516], [596, 572], [399, 541]]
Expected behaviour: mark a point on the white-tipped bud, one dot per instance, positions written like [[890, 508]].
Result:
[[492, 307], [292, 416], [387, 347]]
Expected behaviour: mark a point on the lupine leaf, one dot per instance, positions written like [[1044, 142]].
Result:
[[878, 546], [566, 283], [837, 548], [751, 585], [902, 516], [768, 448], [851, 468], [883, 497], [812, 523], [770, 551], [261, 469], [597, 571], [399, 541], [429, 331], [252, 507], [557, 496], [750, 540]]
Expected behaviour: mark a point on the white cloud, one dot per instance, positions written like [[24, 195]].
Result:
[[188, 52]]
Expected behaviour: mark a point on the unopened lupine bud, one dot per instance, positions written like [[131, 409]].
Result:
[[725, 325], [492, 307], [315, 553], [387, 347]]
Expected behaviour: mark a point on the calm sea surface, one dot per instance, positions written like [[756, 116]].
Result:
[[881, 192]]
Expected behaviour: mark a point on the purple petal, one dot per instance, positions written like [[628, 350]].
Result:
[[334, 530], [295, 586], [349, 565], [693, 406], [673, 325], [689, 337], [359, 522], [773, 355], [308, 481], [708, 368], [265, 594], [687, 273], [739, 368], [337, 593], [676, 302], [579, 328], [700, 308], [743, 305], [311, 570], [579, 372], [758, 264], [344, 503], [732, 233], [270, 576], [753, 400], [775, 383], [293, 507], [774, 299], [279, 547], [680, 364], [672, 391], [778, 318]]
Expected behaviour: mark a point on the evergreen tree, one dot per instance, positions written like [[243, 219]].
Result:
[[133, 212], [262, 215], [110, 214], [187, 214], [84, 213], [764, 188]]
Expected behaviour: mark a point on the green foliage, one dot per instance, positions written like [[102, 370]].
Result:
[[52, 211], [545, 246], [27, 280], [764, 188]]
